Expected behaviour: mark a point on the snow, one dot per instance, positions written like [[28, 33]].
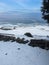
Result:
[[38, 32], [13, 53], [26, 55]]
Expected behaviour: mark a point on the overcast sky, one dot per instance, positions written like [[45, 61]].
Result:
[[20, 5]]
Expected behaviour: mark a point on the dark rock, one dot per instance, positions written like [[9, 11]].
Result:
[[6, 38], [44, 44], [26, 41], [21, 40], [28, 34], [2, 28], [48, 36]]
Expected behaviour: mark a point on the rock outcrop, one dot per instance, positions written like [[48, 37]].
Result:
[[28, 34], [44, 44], [12, 38]]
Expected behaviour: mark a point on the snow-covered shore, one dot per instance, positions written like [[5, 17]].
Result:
[[38, 32], [12, 53], [19, 54]]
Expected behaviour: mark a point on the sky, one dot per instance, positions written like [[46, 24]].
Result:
[[20, 5]]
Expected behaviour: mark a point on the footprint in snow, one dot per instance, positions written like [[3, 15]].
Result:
[[18, 48], [6, 53]]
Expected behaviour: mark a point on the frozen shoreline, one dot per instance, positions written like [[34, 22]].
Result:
[[12, 53], [20, 54], [38, 32]]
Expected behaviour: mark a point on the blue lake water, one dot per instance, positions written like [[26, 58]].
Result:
[[21, 18]]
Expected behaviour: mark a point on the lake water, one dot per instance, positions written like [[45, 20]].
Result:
[[19, 18]]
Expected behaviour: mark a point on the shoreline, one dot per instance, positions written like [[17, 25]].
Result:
[[44, 44]]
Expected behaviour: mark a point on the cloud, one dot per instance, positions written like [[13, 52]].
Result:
[[3, 6], [32, 5], [26, 5]]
